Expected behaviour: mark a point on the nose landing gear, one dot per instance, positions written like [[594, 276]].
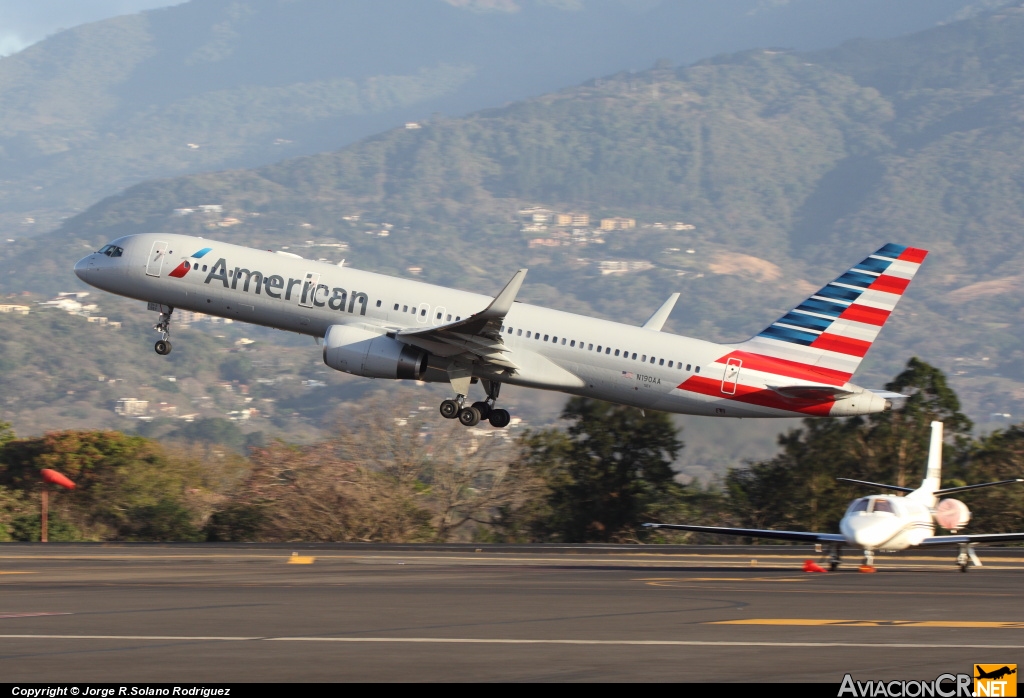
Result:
[[163, 326]]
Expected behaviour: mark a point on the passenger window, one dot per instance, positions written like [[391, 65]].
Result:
[[644, 357], [528, 335], [378, 304], [439, 316], [204, 267], [652, 359], [396, 306], [545, 338], [670, 364], [616, 352], [697, 370], [687, 367], [423, 313], [607, 350], [457, 318], [405, 308], [590, 347], [563, 341], [634, 356], [572, 343], [554, 340], [661, 362], [519, 333], [598, 348]]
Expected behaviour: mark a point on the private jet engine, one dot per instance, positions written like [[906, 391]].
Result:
[[952, 514], [372, 355]]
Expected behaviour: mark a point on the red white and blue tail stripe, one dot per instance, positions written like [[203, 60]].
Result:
[[826, 337]]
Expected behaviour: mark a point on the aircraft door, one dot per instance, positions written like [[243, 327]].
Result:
[[731, 376], [309, 289], [156, 258]]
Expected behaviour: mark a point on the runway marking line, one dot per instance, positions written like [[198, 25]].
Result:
[[655, 581], [509, 641], [32, 614], [872, 623], [13, 572]]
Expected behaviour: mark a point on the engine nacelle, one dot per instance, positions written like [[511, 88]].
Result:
[[952, 514], [366, 353]]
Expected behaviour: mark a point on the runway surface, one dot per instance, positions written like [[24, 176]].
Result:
[[137, 613]]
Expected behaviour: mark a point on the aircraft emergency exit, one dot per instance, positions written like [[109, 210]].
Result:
[[889, 522], [380, 326]]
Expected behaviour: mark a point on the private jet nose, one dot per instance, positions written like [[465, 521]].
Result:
[[870, 530]]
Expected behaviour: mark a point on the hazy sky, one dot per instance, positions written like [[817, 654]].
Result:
[[24, 22]]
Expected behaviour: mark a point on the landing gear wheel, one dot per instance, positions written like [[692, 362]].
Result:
[[499, 419], [469, 416], [163, 347], [483, 408], [449, 409], [833, 566], [963, 567]]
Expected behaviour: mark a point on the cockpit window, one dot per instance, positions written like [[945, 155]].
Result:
[[882, 505], [111, 250], [859, 505]]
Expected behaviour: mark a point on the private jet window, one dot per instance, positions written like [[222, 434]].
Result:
[[859, 505], [882, 505]]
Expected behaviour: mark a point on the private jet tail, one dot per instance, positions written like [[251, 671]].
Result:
[[930, 486], [826, 337]]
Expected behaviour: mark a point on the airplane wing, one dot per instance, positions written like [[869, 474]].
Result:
[[804, 536], [977, 538], [477, 339]]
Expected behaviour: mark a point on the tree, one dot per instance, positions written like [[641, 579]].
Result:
[[609, 472]]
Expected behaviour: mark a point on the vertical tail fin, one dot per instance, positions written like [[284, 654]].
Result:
[[831, 331], [933, 476]]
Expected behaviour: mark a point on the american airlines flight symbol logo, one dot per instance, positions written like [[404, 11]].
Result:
[[182, 269]]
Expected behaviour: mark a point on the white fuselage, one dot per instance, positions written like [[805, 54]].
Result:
[[553, 350], [887, 522]]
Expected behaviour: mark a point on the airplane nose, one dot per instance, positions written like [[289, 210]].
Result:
[[83, 265], [870, 531]]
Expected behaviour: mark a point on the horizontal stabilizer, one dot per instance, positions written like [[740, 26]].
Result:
[[657, 321], [964, 488], [888, 394], [876, 484], [809, 392], [804, 536]]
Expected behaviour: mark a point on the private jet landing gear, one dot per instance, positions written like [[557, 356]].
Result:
[[869, 561], [967, 555], [163, 345], [834, 559]]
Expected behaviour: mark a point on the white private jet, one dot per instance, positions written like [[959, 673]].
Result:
[[384, 327], [889, 523]]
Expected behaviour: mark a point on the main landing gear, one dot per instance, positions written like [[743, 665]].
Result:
[[967, 555], [834, 558], [163, 345], [483, 410]]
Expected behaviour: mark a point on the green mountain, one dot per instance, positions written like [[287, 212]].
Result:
[[789, 166]]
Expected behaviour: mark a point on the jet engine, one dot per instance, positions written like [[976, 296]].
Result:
[[366, 353], [952, 514]]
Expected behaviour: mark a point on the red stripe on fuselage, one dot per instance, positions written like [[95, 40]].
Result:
[[890, 284], [757, 396], [179, 271], [866, 314], [842, 345], [913, 254], [787, 368]]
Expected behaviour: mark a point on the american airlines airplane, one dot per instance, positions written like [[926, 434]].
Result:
[[889, 522], [384, 327]]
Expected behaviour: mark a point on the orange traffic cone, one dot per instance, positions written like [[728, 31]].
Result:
[[812, 566]]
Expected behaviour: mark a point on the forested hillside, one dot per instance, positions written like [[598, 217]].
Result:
[[789, 167]]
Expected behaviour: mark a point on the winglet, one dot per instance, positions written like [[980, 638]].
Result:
[[502, 303], [657, 321]]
